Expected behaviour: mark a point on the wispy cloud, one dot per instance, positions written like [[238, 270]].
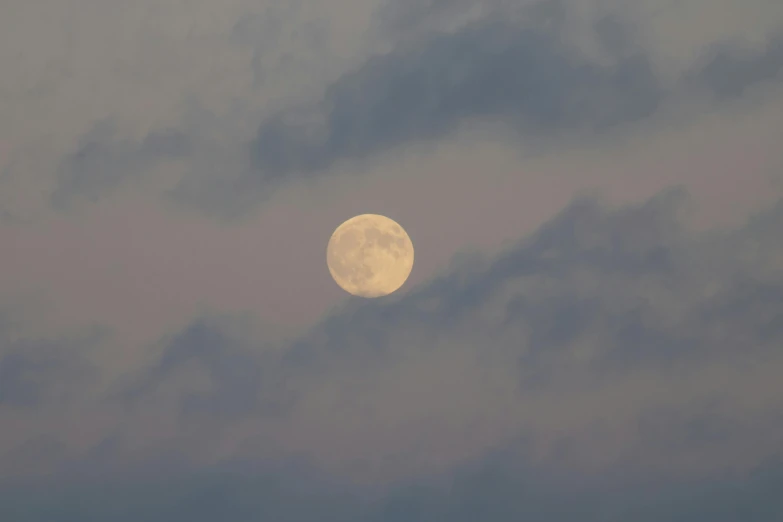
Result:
[[237, 377], [516, 71], [727, 72], [42, 372], [103, 163], [603, 322]]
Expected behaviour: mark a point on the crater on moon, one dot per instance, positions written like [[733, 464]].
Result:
[[370, 255]]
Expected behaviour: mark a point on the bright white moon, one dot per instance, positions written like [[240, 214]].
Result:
[[370, 255]]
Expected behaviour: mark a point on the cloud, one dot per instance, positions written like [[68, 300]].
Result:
[[287, 94], [519, 75], [102, 163], [38, 373], [603, 325], [523, 70], [522, 75], [489, 489], [542, 69], [496, 490], [238, 378], [141, 70], [728, 72], [612, 342], [620, 311]]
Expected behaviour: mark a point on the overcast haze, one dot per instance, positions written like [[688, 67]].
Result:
[[592, 331]]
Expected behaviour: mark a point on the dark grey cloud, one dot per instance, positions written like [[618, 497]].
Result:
[[239, 380], [632, 284], [519, 74], [491, 489], [102, 162], [514, 70], [283, 491], [648, 292], [590, 270], [406, 16], [727, 71], [34, 372], [509, 66], [497, 490], [407, 19]]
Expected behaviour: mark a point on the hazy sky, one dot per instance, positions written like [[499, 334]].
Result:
[[592, 331]]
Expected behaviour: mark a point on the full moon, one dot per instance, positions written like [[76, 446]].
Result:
[[370, 255]]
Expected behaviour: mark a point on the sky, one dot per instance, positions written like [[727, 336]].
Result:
[[593, 327]]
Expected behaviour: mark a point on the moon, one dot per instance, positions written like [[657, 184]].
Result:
[[370, 255]]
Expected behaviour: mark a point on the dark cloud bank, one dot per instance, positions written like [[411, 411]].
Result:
[[34, 371], [491, 491], [102, 163], [514, 70], [645, 293]]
